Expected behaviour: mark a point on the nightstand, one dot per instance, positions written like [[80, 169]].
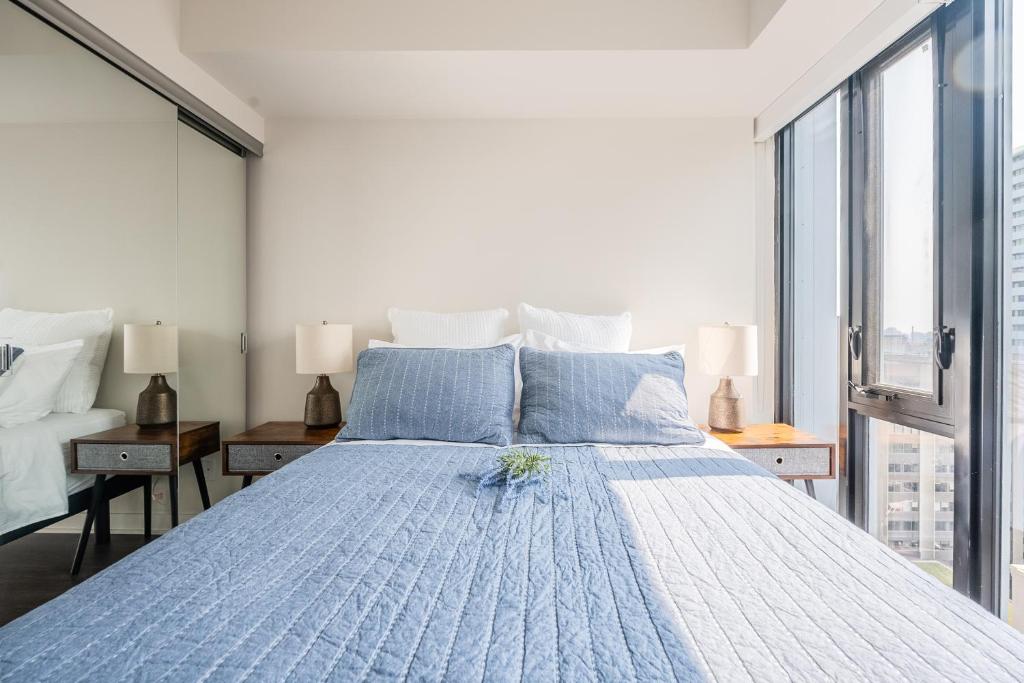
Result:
[[140, 451], [785, 451], [270, 446]]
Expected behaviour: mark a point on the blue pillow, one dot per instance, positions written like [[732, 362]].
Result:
[[619, 398], [463, 395]]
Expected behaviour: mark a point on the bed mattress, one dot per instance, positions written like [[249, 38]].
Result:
[[370, 561], [34, 479]]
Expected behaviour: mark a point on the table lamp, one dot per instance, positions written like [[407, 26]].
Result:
[[153, 350], [727, 351], [320, 350]]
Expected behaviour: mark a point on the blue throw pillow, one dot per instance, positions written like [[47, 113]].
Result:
[[620, 398], [463, 395]]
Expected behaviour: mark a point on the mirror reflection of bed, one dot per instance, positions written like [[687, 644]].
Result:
[[115, 213]]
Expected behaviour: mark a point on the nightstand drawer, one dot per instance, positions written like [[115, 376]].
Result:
[[263, 457], [127, 457], [791, 462]]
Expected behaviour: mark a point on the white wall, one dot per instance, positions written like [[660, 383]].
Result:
[[347, 218]]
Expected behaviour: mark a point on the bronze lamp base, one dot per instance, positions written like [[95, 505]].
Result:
[[725, 412], [158, 404], [323, 405]]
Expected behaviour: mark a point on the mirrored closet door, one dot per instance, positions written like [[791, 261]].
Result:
[[88, 308], [211, 307], [122, 311], [122, 301]]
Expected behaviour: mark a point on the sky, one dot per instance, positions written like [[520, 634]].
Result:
[[907, 193]]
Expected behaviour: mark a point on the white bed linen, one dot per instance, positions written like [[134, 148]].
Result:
[[34, 461]]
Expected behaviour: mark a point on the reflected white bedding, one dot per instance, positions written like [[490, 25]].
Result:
[[34, 459]]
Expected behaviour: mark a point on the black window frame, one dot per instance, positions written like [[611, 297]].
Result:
[[971, 155], [932, 411]]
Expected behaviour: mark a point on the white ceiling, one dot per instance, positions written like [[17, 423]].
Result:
[[513, 59]]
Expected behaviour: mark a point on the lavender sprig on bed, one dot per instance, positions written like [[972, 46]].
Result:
[[521, 463], [518, 470]]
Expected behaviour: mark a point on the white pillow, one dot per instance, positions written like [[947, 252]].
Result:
[[29, 390], [545, 342], [477, 329], [513, 339], [681, 348], [93, 328], [610, 333]]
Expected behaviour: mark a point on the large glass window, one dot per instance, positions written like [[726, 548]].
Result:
[[1013, 331], [907, 277], [815, 273], [913, 511], [908, 489], [920, 134], [895, 232]]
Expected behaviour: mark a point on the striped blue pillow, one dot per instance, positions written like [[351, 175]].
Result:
[[615, 398], [463, 395]]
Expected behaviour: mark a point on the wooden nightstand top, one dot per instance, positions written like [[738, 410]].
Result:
[[768, 436], [785, 451], [186, 440], [285, 434]]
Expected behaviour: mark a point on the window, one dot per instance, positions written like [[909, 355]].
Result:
[[920, 205], [1013, 339], [902, 399], [808, 259], [896, 286], [916, 516], [907, 277]]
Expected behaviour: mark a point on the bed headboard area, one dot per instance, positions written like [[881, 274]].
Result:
[[348, 218]]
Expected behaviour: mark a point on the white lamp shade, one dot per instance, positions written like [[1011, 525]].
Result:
[[323, 349], [728, 350], [150, 349]]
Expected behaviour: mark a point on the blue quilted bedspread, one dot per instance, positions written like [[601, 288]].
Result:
[[386, 562]]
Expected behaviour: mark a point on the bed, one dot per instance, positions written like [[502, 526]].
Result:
[[35, 485], [371, 560]]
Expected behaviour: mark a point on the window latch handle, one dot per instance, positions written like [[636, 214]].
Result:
[[872, 392], [943, 339], [855, 339]]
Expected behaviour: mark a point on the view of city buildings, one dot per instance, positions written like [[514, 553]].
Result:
[[914, 468], [1014, 349]]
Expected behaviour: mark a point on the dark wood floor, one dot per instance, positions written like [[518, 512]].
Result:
[[36, 568]]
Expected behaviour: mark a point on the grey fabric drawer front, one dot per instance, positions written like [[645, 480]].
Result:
[[264, 457], [788, 462], [101, 456]]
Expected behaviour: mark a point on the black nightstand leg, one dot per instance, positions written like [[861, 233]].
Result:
[[147, 505], [809, 484], [197, 465], [103, 522], [90, 516], [246, 480], [172, 484]]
